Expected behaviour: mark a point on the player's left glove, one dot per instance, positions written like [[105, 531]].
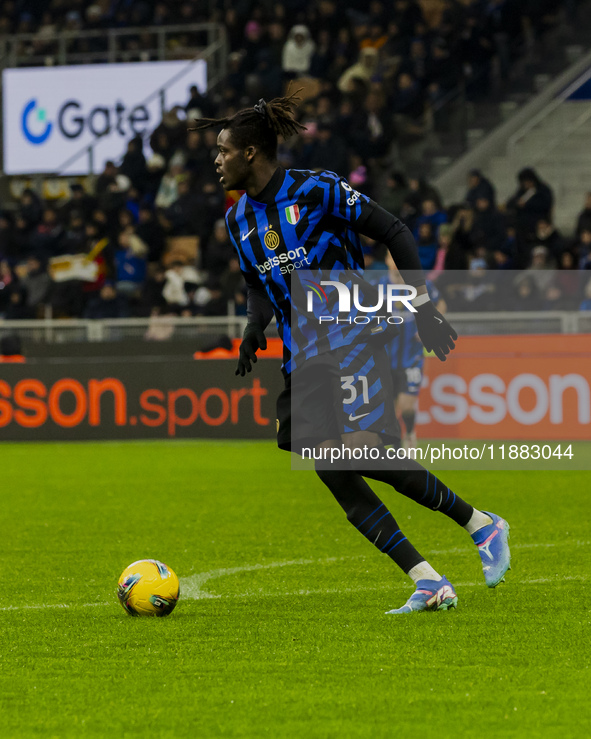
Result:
[[435, 332], [252, 339]]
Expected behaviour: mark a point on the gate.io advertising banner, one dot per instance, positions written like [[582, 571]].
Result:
[[53, 114]]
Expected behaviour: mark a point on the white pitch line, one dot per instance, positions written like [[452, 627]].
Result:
[[319, 591], [192, 586], [34, 608], [391, 586], [53, 605], [531, 545], [394, 586], [91, 605]]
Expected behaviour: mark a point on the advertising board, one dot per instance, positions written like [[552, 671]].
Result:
[[509, 387], [490, 387], [51, 115], [67, 401]]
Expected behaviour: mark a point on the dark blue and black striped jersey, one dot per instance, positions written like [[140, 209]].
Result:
[[303, 221]]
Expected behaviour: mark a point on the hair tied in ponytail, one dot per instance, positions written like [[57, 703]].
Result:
[[261, 108]]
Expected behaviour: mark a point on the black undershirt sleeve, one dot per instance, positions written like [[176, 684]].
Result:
[[389, 230], [258, 306]]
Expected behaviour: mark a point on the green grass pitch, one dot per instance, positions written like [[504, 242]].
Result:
[[280, 630]]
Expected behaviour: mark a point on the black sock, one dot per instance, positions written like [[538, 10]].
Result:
[[408, 418], [370, 516], [420, 485]]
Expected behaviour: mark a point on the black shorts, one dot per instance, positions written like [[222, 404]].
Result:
[[339, 392], [408, 380]]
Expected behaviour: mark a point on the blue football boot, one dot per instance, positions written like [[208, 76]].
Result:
[[493, 546], [430, 596]]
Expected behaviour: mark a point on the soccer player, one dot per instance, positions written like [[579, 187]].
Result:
[[407, 358], [289, 220]]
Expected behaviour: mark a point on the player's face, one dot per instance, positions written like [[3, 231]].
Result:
[[231, 163]]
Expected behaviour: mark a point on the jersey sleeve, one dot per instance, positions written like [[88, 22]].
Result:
[[386, 229], [340, 200], [366, 217]]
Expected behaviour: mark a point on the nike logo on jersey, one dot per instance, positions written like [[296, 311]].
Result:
[[356, 418], [245, 236], [438, 319]]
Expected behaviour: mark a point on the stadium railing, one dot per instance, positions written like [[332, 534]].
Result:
[[18, 49], [508, 134], [546, 111], [162, 328]]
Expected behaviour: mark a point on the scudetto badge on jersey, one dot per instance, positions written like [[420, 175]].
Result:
[[292, 214]]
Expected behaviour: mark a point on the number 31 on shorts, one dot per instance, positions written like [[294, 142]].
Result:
[[348, 383]]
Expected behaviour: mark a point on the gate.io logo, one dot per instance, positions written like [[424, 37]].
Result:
[[35, 120]]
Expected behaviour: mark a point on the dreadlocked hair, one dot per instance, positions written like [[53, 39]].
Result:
[[261, 125]]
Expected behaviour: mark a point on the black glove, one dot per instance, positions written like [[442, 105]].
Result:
[[252, 339], [435, 332]]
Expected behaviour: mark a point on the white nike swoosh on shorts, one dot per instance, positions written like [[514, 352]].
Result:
[[356, 418]]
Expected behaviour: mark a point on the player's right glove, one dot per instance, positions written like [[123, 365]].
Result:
[[253, 339], [435, 332]]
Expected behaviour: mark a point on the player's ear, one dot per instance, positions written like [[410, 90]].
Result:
[[249, 153]]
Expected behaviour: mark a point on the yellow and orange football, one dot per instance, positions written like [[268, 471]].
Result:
[[148, 588]]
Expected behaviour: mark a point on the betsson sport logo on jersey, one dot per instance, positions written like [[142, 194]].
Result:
[[292, 259]]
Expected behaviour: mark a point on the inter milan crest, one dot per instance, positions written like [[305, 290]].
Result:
[[272, 240], [292, 214]]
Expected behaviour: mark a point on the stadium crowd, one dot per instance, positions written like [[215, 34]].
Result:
[[140, 207], [409, 54], [473, 32], [377, 75]]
